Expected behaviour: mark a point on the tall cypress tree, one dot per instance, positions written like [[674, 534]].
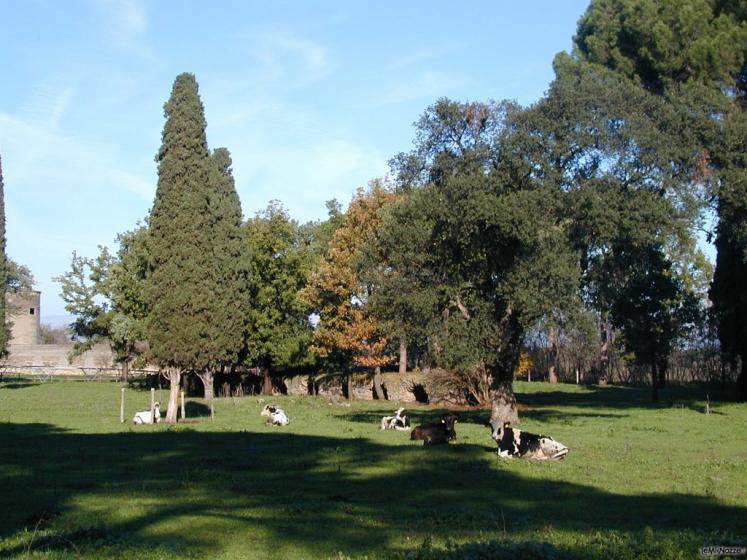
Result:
[[180, 278], [228, 303], [4, 330]]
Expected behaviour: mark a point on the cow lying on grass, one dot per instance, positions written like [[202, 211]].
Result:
[[400, 421], [441, 432], [515, 443], [275, 415], [148, 416]]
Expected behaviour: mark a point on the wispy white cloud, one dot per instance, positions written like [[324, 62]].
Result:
[[48, 104], [63, 195], [313, 54], [133, 183], [27, 241], [47, 252], [39, 152], [282, 50], [128, 26], [423, 54], [304, 177], [425, 85]]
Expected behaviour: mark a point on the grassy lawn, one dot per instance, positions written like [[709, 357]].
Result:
[[640, 481]]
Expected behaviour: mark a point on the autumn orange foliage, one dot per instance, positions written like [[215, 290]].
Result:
[[336, 290]]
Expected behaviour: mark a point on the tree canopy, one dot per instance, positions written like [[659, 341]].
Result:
[[337, 292], [279, 331], [575, 219], [693, 55]]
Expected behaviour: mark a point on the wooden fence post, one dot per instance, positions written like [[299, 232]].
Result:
[[183, 413], [152, 399]]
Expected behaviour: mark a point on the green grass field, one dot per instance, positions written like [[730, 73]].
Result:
[[641, 481]]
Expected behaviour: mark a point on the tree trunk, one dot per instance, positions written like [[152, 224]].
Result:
[[349, 381], [125, 371], [207, 378], [378, 389], [552, 370], [662, 377], [402, 356], [742, 381], [175, 377], [654, 383], [552, 373], [504, 407], [722, 363], [604, 354], [266, 381]]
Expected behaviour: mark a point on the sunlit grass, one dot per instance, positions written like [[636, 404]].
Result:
[[639, 480]]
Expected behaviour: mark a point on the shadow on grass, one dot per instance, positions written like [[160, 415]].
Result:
[[618, 396], [317, 494], [553, 403], [479, 416], [17, 384], [417, 416], [196, 410]]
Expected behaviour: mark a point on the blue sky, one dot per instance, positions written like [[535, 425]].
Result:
[[311, 98]]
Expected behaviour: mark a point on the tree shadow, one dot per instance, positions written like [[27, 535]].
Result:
[[317, 494], [556, 415], [479, 416], [194, 409], [615, 396], [17, 384], [417, 415]]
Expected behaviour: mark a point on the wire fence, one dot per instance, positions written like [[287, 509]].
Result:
[[44, 374]]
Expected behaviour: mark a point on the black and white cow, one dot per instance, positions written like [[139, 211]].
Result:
[[400, 421], [516, 443], [441, 432], [275, 415]]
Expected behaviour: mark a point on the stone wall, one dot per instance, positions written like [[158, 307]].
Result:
[[53, 359], [408, 388]]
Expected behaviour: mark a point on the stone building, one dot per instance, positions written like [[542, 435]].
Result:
[[24, 311], [25, 349]]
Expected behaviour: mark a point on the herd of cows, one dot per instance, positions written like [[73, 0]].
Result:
[[511, 442]]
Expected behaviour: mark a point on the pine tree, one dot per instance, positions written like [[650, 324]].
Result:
[[729, 291], [4, 330], [693, 53], [181, 277]]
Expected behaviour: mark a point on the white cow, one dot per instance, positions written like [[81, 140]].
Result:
[[275, 415], [148, 416], [400, 421], [515, 443]]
